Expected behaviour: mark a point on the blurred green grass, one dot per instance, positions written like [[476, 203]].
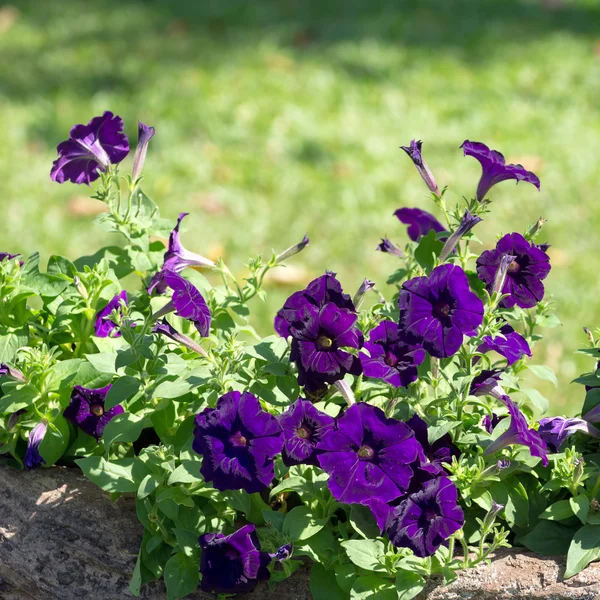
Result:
[[276, 119]]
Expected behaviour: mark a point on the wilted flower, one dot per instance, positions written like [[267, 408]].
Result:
[[164, 327], [318, 338], [524, 275], [466, 224], [519, 433], [441, 451], [176, 259], [419, 222], [90, 149], [11, 372], [368, 455], [292, 250], [238, 441], [187, 302], [390, 248], [425, 520], [283, 552], [145, 134], [232, 564], [510, 344], [105, 326], [414, 152], [391, 356], [32, 458], [438, 310], [555, 430], [318, 292], [86, 410], [494, 169], [303, 428]]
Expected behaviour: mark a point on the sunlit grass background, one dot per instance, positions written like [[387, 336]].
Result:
[[276, 119]]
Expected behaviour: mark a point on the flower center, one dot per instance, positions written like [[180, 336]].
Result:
[[324, 342], [303, 432], [390, 359], [237, 439], [429, 514], [514, 267], [441, 309], [366, 452], [97, 410]]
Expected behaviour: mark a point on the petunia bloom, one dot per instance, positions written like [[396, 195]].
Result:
[[494, 169], [164, 328], [419, 222], [390, 356], [232, 564], [187, 302], [104, 325], [438, 310], [145, 134], [238, 441], [90, 149], [318, 292], [425, 520], [303, 428], [555, 430], [389, 248], [32, 458], [519, 433], [524, 276], [510, 344], [368, 456], [467, 223], [176, 259], [318, 338], [86, 410], [414, 152]]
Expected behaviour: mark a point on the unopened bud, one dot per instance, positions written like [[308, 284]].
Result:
[[503, 268], [365, 286], [292, 250], [466, 224]]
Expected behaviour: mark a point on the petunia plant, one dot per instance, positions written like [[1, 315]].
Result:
[[379, 437]]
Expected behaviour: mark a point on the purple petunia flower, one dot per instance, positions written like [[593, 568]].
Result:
[[318, 292], [419, 222], [510, 344], [105, 326], [232, 564], [438, 310], [555, 430], [368, 456], [524, 277], [86, 410], [303, 428], [283, 552], [425, 520], [318, 337], [414, 152], [145, 134], [90, 149], [519, 433], [187, 302], [389, 248], [176, 259], [489, 423], [441, 451], [164, 328], [32, 458], [391, 356], [238, 441], [494, 169]]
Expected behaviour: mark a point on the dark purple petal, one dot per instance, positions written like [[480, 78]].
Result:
[[189, 303], [555, 430], [419, 222], [33, 458], [86, 410], [104, 325], [512, 345]]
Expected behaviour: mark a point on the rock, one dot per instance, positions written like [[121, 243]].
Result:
[[63, 538]]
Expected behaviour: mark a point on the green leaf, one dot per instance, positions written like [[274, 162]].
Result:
[[548, 537], [177, 495], [544, 373], [291, 484], [122, 389], [187, 540], [361, 518], [584, 548], [148, 485], [300, 524], [11, 341], [559, 511], [441, 428], [539, 402], [172, 389], [181, 575], [125, 427], [55, 441], [17, 396], [104, 362], [592, 399], [187, 472], [252, 505], [135, 583], [44, 284], [323, 585], [408, 584], [367, 554], [274, 519], [59, 265], [580, 505], [372, 587], [115, 476], [428, 249], [345, 575]]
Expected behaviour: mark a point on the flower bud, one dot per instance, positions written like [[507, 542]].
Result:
[[505, 263], [145, 134], [490, 518], [535, 229], [414, 152], [346, 391], [365, 286], [387, 246], [292, 250], [466, 224]]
